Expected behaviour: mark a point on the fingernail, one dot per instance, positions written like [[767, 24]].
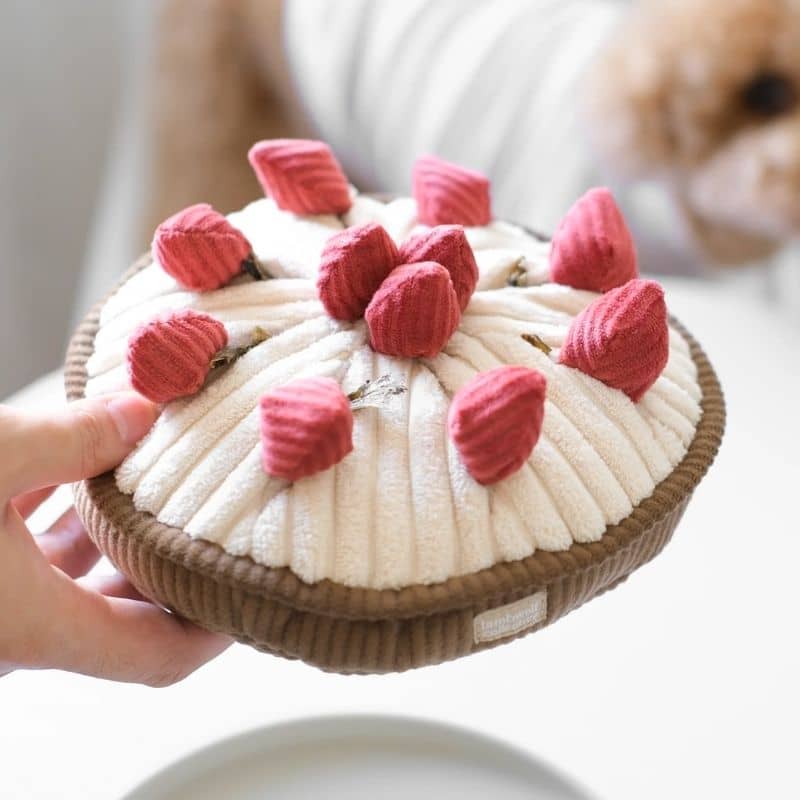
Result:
[[132, 415]]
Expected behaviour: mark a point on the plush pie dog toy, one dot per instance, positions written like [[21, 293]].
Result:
[[394, 431]]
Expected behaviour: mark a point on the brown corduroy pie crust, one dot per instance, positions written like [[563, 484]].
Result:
[[358, 630]]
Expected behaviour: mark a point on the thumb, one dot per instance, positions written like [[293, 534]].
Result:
[[85, 439]]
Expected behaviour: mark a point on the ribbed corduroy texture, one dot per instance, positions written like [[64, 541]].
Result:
[[355, 630], [353, 265], [495, 420], [301, 176], [621, 338], [414, 312], [592, 247], [306, 427], [200, 248], [169, 357], [446, 245], [449, 194]]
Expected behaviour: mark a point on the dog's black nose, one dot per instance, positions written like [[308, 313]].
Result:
[[770, 94]]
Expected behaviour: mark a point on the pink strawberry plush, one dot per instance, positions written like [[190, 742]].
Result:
[[354, 264], [200, 248], [622, 338], [306, 427], [446, 245], [592, 247], [496, 419], [170, 356], [447, 193], [414, 312], [301, 176]]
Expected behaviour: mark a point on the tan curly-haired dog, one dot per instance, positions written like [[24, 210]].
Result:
[[703, 95]]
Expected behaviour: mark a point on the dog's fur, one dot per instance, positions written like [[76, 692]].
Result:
[[665, 99]]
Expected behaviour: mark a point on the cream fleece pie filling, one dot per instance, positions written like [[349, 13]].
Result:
[[393, 394]]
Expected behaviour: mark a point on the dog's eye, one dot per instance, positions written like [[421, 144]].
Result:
[[770, 94]]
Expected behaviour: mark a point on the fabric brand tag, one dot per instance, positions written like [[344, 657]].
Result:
[[497, 623]]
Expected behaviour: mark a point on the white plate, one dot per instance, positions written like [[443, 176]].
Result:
[[358, 758]]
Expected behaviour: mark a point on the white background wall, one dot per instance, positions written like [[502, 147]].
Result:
[[63, 71]]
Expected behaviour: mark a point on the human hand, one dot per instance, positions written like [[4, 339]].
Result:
[[51, 616]]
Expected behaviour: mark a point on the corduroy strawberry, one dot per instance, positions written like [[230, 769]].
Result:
[[448, 194], [170, 356], [495, 421], [306, 427], [354, 264], [622, 338], [592, 247], [446, 245], [301, 176], [201, 249], [414, 312]]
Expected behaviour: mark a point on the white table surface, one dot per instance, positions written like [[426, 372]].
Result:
[[684, 682]]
